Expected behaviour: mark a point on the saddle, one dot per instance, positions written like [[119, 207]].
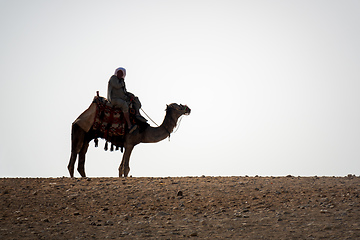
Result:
[[110, 122]]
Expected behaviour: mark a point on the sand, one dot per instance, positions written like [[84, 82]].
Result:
[[179, 208]]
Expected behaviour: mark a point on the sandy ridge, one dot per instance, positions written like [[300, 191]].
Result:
[[177, 208]]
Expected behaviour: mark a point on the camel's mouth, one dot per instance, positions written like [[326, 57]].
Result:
[[186, 109]]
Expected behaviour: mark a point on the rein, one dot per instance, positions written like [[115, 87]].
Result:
[[178, 124], [149, 117]]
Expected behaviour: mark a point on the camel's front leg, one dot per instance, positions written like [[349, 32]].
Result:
[[124, 168]]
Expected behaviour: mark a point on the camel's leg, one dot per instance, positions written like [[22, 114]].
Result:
[[121, 169], [81, 164], [77, 141], [72, 163], [124, 168]]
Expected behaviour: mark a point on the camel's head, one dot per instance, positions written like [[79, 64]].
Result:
[[181, 109]]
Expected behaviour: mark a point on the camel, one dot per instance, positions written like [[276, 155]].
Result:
[[80, 139]]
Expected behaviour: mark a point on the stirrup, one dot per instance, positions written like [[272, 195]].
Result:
[[141, 118], [132, 129]]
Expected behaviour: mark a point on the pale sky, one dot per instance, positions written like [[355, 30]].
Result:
[[273, 85]]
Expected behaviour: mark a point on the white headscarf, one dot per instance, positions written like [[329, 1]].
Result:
[[121, 69]]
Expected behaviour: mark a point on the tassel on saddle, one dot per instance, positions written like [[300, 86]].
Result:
[[107, 146]]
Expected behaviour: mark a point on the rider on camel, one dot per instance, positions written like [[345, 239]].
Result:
[[119, 97]]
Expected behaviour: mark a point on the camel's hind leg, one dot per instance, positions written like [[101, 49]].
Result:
[[81, 164], [72, 163], [77, 142]]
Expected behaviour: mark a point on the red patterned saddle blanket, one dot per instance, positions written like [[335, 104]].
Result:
[[109, 121]]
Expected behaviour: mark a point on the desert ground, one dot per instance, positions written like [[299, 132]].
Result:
[[180, 208]]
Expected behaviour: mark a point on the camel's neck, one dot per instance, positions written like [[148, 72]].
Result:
[[157, 134]]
